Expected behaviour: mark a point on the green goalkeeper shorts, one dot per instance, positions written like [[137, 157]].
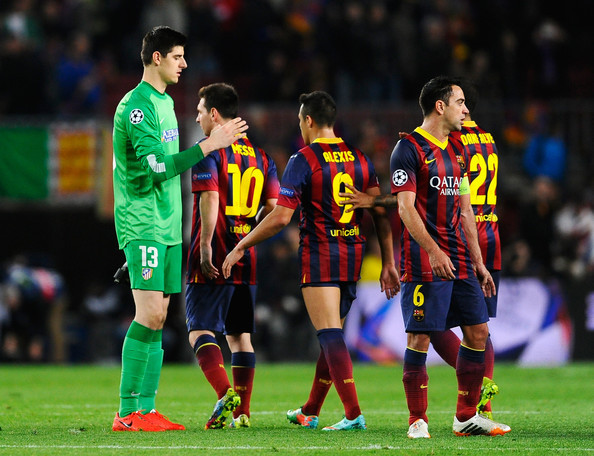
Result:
[[154, 266]]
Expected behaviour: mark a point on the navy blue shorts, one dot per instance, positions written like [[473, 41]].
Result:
[[348, 293], [491, 303], [431, 306], [228, 309]]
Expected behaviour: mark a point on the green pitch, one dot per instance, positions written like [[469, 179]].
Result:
[[51, 410]]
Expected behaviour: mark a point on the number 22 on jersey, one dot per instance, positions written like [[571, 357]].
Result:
[[478, 163]]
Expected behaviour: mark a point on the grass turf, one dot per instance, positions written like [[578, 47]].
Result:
[[51, 410]]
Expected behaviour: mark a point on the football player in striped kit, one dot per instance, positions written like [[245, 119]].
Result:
[[440, 252], [233, 188], [482, 162], [331, 249]]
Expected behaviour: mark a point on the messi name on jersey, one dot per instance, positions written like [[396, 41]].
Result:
[[242, 149], [170, 135]]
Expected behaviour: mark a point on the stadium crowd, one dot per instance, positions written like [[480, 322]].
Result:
[[69, 59], [379, 50]]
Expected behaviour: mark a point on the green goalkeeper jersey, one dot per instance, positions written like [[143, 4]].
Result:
[[147, 205]]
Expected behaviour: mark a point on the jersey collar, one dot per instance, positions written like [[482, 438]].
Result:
[[328, 140], [469, 123], [433, 139]]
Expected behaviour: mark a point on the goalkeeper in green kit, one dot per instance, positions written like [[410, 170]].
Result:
[[148, 217]]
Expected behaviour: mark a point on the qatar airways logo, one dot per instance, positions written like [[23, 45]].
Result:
[[448, 185]]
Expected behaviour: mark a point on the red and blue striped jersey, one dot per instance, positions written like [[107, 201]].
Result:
[[483, 163], [433, 171], [245, 177], [331, 245]]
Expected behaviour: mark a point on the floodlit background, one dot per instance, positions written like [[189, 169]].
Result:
[[65, 64]]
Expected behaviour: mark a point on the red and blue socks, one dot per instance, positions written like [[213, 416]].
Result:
[[470, 370], [243, 368], [210, 359], [341, 369], [416, 381], [319, 389]]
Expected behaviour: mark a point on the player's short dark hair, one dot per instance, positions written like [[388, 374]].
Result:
[[438, 88], [221, 96], [162, 39], [320, 106], [471, 94]]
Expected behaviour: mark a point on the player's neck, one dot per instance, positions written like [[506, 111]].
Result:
[[326, 132], [435, 128], [154, 79]]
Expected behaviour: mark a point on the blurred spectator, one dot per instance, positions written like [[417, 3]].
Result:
[[202, 32], [22, 80], [517, 260], [436, 53], [378, 146], [289, 45], [280, 309], [546, 154], [34, 299], [107, 311], [574, 224], [351, 51], [79, 90], [550, 59], [537, 222], [164, 12], [382, 78]]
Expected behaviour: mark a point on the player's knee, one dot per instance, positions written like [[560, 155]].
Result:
[[477, 336], [192, 338], [157, 319]]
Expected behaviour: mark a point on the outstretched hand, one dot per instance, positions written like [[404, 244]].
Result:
[[354, 199]]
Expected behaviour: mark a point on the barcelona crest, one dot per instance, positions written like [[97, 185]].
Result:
[[418, 314]]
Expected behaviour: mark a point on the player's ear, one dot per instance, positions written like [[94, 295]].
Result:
[[157, 58], [440, 106]]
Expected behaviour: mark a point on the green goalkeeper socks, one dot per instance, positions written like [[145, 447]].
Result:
[[135, 356], [150, 384]]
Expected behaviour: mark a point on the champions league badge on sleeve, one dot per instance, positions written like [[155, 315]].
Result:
[[136, 116], [399, 177]]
